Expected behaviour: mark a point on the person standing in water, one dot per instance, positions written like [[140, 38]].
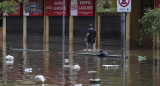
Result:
[[90, 37]]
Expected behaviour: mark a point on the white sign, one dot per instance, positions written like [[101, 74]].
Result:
[[74, 8], [124, 5]]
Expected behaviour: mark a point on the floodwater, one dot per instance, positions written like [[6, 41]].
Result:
[[46, 59]]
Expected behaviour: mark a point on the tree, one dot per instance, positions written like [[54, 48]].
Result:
[[150, 22], [7, 6]]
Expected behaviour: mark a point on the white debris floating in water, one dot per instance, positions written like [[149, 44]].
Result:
[[78, 85], [92, 71], [66, 60], [95, 85], [28, 70], [39, 79], [76, 67], [111, 65], [67, 66], [9, 57], [9, 62], [141, 58], [95, 80]]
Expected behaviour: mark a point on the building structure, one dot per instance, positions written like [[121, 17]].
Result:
[[76, 26], [107, 24]]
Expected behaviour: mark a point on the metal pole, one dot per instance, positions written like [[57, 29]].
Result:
[[63, 32], [123, 38], [63, 44], [123, 77]]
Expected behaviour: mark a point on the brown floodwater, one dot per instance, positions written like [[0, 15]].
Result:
[[46, 59]]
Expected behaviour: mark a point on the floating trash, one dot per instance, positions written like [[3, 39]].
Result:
[[95, 85], [110, 65], [102, 53], [39, 79], [114, 67], [39, 85], [66, 60], [78, 85], [141, 58], [95, 80], [9, 62], [9, 57], [67, 66], [92, 71], [76, 67], [28, 70]]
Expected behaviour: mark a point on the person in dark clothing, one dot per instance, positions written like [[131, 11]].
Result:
[[90, 37]]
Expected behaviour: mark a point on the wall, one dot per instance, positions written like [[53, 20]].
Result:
[[137, 12], [135, 25], [0, 21]]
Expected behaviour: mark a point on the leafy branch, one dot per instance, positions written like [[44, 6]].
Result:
[[150, 22], [8, 6]]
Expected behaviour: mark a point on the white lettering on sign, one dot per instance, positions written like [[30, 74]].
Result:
[[74, 7], [85, 3], [85, 8], [58, 8], [121, 8], [58, 3]]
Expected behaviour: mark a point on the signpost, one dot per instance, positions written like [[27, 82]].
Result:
[[123, 6], [63, 42]]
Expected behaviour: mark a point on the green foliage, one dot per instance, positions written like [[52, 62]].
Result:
[[7, 6], [150, 22]]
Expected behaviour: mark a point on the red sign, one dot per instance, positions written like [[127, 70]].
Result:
[[157, 3], [17, 9], [55, 7], [82, 8], [124, 3], [33, 8]]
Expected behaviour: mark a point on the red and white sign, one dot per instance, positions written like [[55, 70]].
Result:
[[124, 5], [17, 9], [157, 3], [55, 8], [33, 8], [81, 8]]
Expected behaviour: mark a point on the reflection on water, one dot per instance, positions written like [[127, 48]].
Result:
[[49, 64]]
